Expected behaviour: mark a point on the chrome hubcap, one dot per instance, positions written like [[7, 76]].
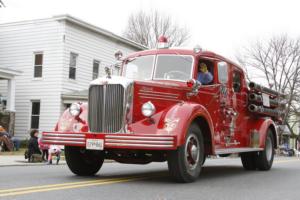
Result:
[[192, 152]]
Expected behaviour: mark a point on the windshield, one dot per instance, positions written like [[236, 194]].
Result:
[[140, 68], [166, 67]]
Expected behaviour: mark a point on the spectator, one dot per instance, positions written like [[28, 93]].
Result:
[[44, 148], [54, 150], [34, 153], [16, 142], [6, 142]]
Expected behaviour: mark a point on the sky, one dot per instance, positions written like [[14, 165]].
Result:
[[222, 26]]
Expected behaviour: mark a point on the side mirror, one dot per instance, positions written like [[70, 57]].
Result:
[[223, 72]]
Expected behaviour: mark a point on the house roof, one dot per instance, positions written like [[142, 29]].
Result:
[[84, 24], [6, 73], [98, 30]]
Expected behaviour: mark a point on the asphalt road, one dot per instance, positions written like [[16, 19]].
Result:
[[220, 179]]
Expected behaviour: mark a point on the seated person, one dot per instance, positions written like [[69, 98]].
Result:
[[204, 76], [34, 153]]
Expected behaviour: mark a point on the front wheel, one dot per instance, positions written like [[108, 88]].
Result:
[[83, 162], [185, 163]]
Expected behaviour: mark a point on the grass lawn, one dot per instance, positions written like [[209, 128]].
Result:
[[9, 153]]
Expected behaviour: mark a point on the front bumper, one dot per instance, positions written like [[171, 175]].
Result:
[[113, 141]]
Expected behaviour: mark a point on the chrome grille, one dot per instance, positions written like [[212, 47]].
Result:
[[106, 108]]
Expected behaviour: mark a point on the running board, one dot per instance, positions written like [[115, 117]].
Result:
[[236, 150]]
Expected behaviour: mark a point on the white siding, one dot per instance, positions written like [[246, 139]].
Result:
[[3, 87], [18, 42], [88, 45], [56, 39]]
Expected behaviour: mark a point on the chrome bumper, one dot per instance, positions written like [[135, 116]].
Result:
[[113, 141]]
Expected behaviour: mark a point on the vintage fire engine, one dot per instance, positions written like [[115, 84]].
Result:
[[158, 111]]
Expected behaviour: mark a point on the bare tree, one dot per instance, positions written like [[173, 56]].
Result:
[[1, 4], [279, 61], [145, 28]]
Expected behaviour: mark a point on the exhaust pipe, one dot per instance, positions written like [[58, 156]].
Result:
[[260, 88], [259, 99], [264, 111]]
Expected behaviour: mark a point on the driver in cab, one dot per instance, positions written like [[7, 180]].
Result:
[[204, 76]]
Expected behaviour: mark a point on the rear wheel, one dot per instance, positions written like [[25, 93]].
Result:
[[83, 162], [186, 162], [204, 159], [249, 160], [261, 160], [265, 158]]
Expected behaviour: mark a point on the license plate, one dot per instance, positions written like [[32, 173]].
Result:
[[95, 144]]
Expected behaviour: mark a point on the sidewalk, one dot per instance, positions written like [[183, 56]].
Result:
[[19, 160]]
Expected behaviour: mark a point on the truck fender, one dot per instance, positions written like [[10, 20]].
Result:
[[184, 114], [68, 123], [262, 127]]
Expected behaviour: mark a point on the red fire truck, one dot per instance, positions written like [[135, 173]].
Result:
[[158, 111]]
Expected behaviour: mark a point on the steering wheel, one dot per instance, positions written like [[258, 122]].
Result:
[[176, 75]]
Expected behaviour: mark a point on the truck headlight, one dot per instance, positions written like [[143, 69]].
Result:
[[74, 109], [148, 109]]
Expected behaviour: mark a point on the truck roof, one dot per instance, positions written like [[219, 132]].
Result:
[[179, 51]]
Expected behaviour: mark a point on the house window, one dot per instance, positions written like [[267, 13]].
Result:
[[35, 114], [38, 65], [95, 69], [72, 68]]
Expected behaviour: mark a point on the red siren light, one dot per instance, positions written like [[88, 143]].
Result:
[[162, 39], [190, 83], [162, 42]]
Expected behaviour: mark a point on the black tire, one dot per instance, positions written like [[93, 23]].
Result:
[[249, 160], [265, 158], [83, 162], [185, 163], [204, 159]]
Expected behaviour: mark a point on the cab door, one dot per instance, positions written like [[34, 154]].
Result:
[[239, 104], [225, 129]]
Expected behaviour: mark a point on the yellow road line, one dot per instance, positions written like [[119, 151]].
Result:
[[52, 187], [72, 185], [68, 187]]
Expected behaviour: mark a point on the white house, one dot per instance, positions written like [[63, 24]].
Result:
[[55, 59]]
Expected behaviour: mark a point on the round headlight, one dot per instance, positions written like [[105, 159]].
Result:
[[74, 109], [148, 109]]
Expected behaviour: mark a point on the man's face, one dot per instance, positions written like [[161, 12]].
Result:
[[202, 68]]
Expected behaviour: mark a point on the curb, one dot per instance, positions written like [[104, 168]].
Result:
[[25, 163]]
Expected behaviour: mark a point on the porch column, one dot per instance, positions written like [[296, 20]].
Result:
[[11, 95]]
